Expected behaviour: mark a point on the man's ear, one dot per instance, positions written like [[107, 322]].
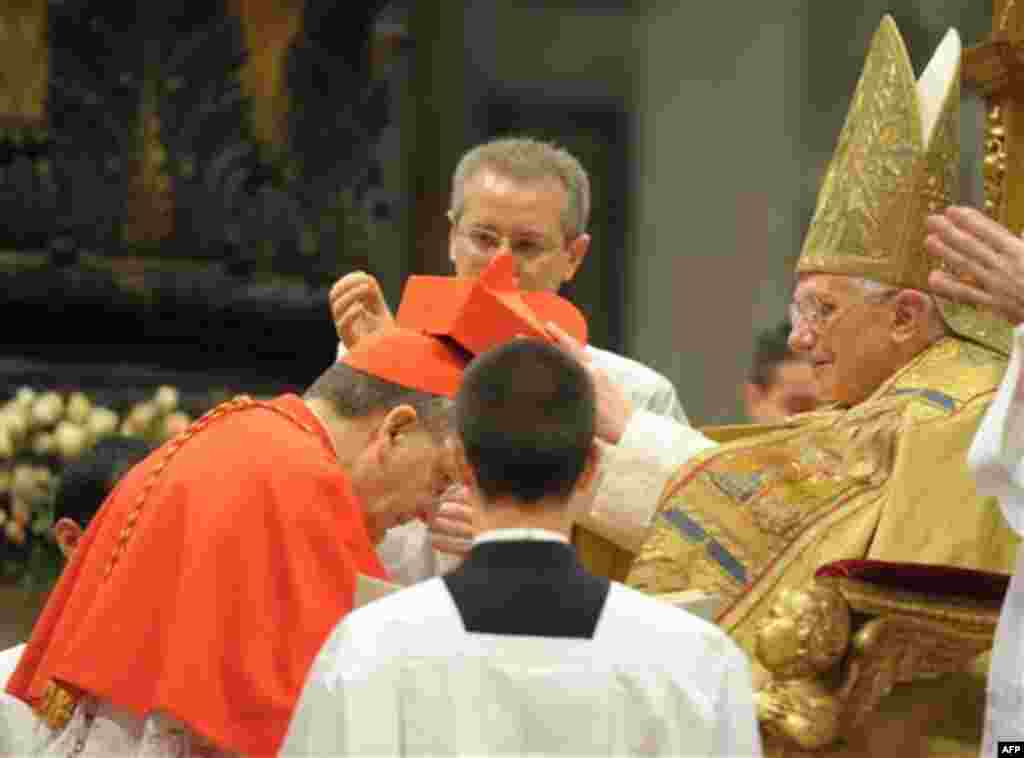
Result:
[[909, 314], [450, 215], [577, 252], [400, 420], [451, 245], [591, 467], [67, 533], [396, 423]]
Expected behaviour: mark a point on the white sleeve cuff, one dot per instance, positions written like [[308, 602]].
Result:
[[634, 474], [668, 442]]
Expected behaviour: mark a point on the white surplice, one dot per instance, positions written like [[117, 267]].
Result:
[[996, 458], [17, 721], [402, 677], [98, 729]]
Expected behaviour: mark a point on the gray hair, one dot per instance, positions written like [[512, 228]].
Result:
[[938, 328], [528, 160], [355, 394]]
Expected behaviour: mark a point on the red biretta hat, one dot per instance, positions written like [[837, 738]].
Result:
[[480, 314], [444, 321], [410, 359]]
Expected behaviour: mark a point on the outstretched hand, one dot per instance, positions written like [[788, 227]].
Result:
[[614, 409], [988, 258], [358, 307], [453, 527]]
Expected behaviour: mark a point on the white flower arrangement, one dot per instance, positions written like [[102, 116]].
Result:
[[40, 431]]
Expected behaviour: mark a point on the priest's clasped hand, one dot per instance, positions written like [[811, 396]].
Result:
[[614, 409], [987, 257], [358, 307], [453, 528]]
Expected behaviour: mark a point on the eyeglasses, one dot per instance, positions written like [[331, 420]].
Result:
[[811, 313], [487, 242]]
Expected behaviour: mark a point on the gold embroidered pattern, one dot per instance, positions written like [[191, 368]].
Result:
[[873, 167], [738, 486], [57, 705], [820, 477]]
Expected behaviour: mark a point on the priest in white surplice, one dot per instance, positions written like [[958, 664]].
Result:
[[992, 258], [520, 650], [997, 460]]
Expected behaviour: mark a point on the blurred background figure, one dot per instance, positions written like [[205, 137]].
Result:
[[84, 485], [781, 382]]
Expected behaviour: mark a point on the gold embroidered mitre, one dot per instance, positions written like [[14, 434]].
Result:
[[896, 162]]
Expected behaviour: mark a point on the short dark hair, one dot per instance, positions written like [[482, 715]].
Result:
[[525, 414], [772, 348], [86, 482], [355, 394]]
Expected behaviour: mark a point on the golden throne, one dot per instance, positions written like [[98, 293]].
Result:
[[878, 659]]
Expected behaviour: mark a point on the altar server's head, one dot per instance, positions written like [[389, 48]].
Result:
[[525, 416]]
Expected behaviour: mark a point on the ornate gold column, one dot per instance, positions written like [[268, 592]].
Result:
[[24, 63], [149, 211], [996, 70], [270, 28]]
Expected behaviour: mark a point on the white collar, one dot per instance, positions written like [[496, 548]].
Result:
[[324, 427], [520, 534]]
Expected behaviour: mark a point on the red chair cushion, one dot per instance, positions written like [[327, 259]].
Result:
[[983, 586]]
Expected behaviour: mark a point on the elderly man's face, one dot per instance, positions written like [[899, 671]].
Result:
[[401, 474], [524, 218], [846, 338]]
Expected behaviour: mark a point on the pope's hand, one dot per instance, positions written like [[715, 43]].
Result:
[[358, 307], [453, 528], [613, 407], [987, 257]]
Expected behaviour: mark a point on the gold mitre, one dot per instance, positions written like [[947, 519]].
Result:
[[896, 162]]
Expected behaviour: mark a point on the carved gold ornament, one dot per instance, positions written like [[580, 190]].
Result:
[[824, 683], [806, 633], [994, 169]]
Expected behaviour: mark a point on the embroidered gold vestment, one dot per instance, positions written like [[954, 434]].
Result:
[[884, 480]]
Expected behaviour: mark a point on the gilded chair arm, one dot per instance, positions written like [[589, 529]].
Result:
[[834, 649]]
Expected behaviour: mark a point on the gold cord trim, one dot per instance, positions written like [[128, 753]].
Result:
[[59, 701]]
